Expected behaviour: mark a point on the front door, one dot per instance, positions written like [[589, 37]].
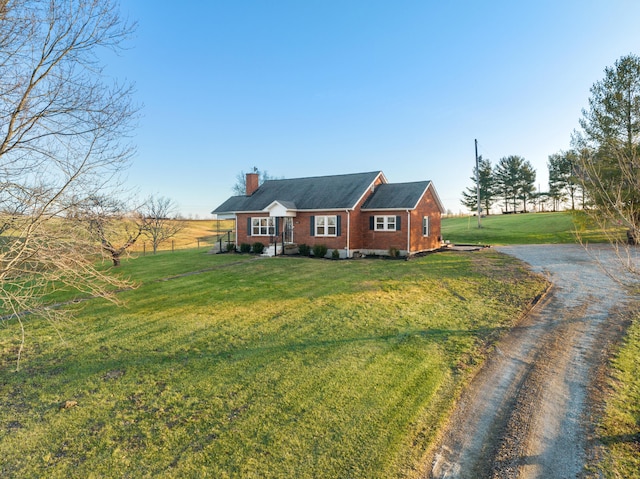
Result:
[[288, 230]]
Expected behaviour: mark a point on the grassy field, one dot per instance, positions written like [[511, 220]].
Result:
[[194, 234], [228, 366], [527, 228], [620, 428]]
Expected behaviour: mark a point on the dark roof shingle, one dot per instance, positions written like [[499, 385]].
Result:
[[313, 193], [396, 196]]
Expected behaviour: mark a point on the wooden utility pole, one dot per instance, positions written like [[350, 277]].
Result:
[[478, 184]]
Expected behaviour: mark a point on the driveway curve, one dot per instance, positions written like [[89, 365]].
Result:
[[527, 414]]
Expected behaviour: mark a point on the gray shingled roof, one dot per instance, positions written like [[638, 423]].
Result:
[[314, 193], [396, 196]]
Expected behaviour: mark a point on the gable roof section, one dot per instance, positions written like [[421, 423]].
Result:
[[313, 193], [400, 196], [281, 208]]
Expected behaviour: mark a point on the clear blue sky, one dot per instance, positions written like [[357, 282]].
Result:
[[308, 88]]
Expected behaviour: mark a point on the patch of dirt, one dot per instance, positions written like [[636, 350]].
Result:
[[529, 412], [114, 374]]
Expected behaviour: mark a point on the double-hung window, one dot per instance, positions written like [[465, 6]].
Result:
[[385, 223], [425, 226], [265, 226], [326, 226]]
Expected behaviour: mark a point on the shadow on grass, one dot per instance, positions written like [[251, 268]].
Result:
[[116, 362], [622, 438]]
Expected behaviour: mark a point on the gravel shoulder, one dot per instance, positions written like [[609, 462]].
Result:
[[528, 412]]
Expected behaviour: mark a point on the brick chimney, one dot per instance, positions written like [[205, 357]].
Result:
[[251, 183]]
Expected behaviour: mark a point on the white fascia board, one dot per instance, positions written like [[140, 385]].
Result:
[[436, 197], [321, 210], [388, 209]]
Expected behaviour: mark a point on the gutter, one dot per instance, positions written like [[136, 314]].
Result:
[[236, 217], [348, 232], [408, 232]]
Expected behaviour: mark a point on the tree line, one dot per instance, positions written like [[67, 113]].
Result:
[[511, 181], [599, 174], [511, 184]]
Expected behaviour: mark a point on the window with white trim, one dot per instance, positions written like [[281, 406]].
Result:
[[385, 223], [425, 226], [265, 226], [326, 226]]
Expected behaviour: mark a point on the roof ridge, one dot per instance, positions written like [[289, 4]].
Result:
[[376, 172], [406, 183]]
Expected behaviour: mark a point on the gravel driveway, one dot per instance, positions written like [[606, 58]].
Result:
[[527, 412]]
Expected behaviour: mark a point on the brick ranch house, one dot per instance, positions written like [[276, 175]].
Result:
[[360, 213]]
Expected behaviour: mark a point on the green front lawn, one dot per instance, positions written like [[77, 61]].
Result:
[[268, 368]]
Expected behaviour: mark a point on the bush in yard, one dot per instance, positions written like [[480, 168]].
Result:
[[231, 247], [258, 247], [304, 250], [319, 250], [245, 247], [335, 254], [394, 252]]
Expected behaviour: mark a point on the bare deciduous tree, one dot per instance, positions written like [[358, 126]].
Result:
[[609, 154], [613, 207], [160, 220], [113, 224], [239, 188], [63, 132]]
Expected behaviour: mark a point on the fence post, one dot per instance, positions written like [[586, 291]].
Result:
[[172, 245], [144, 248]]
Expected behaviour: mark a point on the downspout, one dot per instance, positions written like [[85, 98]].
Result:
[[408, 232], [348, 233]]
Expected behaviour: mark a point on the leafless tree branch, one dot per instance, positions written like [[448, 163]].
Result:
[[160, 221], [64, 133]]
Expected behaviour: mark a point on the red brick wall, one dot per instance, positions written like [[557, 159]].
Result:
[[241, 228], [252, 182], [383, 240], [426, 207], [301, 230], [360, 225]]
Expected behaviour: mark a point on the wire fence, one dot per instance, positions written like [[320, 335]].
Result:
[[200, 235], [210, 242]]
